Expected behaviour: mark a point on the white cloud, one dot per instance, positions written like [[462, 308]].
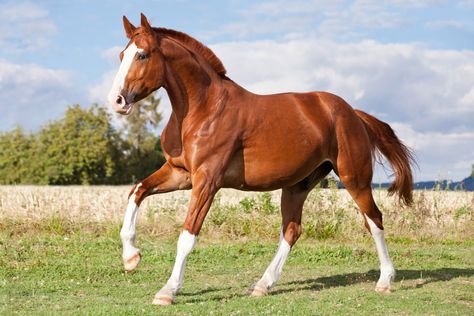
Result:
[[25, 26], [441, 24], [98, 93], [359, 14], [322, 19], [280, 7], [414, 3], [111, 55], [32, 94], [466, 4], [440, 155]]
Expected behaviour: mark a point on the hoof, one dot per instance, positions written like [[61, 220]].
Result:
[[131, 263], [383, 289], [258, 292], [162, 300]]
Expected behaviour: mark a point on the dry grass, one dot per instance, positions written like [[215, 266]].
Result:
[[328, 213]]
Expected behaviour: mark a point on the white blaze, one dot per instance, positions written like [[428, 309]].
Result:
[[119, 81]]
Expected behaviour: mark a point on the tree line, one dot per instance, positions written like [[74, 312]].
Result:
[[84, 147]]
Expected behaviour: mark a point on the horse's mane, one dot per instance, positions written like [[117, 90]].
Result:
[[195, 46]]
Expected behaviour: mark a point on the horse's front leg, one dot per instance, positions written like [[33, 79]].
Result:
[[292, 200], [205, 186], [166, 179]]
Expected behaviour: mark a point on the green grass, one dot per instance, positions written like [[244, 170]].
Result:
[[81, 272]]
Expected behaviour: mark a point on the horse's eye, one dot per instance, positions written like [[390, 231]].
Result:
[[141, 56]]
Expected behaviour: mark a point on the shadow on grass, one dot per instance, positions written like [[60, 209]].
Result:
[[204, 291], [347, 279], [424, 276], [196, 297]]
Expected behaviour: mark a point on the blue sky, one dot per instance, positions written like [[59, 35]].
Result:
[[411, 63]]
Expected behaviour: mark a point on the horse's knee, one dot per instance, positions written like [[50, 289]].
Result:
[[137, 194], [292, 232]]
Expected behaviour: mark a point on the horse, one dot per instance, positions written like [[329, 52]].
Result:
[[219, 135]]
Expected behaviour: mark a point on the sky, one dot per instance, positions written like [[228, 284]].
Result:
[[410, 63]]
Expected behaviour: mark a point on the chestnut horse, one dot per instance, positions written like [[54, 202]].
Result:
[[220, 135]]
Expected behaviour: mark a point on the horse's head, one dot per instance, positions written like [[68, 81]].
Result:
[[141, 70]]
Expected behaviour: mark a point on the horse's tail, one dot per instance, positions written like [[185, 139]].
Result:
[[401, 158]]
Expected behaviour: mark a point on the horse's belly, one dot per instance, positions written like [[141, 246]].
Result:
[[259, 170]]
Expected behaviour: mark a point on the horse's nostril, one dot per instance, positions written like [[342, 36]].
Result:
[[119, 99]]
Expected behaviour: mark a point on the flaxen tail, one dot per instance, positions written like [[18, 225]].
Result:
[[401, 158]]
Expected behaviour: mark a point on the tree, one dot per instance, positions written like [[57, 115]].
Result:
[[143, 121], [82, 148], [15, 156], [144, 155]]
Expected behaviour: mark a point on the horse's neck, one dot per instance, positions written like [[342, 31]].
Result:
[[189, 91], [191, 88], [177, 94]]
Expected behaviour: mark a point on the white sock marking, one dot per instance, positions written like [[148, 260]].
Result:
[[273, 272], [127, 233], [186, 244], [387, 272]]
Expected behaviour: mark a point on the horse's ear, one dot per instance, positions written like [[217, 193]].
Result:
[[129, 28], [144, 23]]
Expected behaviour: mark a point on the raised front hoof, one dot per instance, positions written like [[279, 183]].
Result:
[[162, 300], [383, 289], [258, 292], [131, 263]]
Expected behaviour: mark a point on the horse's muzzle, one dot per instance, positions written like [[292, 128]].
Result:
[[123, 105]]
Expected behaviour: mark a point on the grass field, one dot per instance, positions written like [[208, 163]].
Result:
[[60, 254]]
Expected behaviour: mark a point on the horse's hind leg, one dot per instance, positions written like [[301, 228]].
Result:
[[354, 168], [361, 192], [166, 179]]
